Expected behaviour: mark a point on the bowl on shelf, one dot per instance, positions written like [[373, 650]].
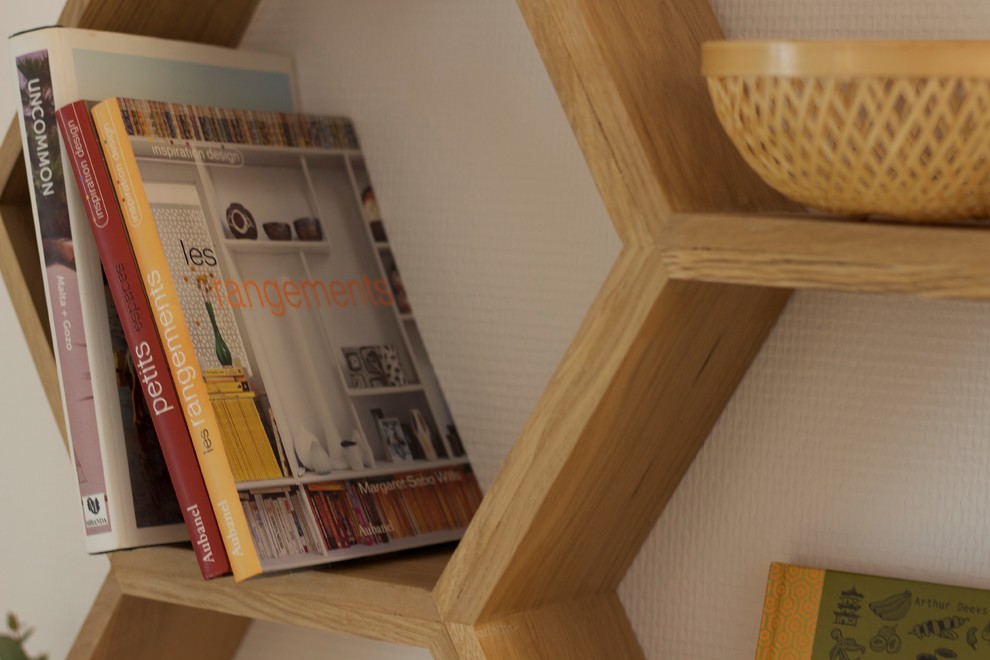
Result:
[[308, 229], [890, 128], [277, 231]]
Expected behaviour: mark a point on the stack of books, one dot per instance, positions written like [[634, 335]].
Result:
[[239, 361]]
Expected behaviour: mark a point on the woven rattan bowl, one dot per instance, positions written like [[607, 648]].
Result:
[[898, 129]]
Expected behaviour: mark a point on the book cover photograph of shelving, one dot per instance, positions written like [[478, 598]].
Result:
[[340, 442]]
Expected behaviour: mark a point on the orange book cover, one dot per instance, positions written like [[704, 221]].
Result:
[[171, 324]]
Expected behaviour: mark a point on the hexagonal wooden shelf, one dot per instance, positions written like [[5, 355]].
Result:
[[710, 255]]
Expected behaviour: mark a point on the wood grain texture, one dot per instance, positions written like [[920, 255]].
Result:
[[590, 628], [121, 627], [620, 422], [465, 641], [388, 599], [18, 226], [97, 621], [830, 253], [20, 267], [617, 160], [220, 22], [443, 648], [15, 190], [21, 270], [628, 76], [160, 631]]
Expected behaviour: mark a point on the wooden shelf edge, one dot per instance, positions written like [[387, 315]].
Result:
[[640, 109], [98, 621], [12, 171], [21, 272], [814, 252], [631, 403], [388, 599], [220, 22], [594, 627], [618, 160], [20, 269], [117, 626]]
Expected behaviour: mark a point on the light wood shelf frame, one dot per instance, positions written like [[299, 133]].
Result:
[[709, 258]]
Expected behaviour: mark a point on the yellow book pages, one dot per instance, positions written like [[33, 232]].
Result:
[[216, 373], [267, 465], [231, 438], [250, 454], [228, 396], [198, 411], [246, 441], [250, 445]]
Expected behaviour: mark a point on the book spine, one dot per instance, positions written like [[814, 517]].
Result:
[[790, 612], [171, 324], [82, 147], [62, 287]]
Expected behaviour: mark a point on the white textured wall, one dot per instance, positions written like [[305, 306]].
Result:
[[495, 221], [858, 440]]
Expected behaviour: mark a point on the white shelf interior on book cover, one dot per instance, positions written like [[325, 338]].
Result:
[[322, 342]]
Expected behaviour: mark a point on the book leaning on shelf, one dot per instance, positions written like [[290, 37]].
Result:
[[126, 495], [275, 293], [815, 614], [148, 358]]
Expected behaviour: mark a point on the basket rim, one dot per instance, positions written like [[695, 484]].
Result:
[[846, 58]]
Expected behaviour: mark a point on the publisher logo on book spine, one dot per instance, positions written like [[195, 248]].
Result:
[[95, 511]]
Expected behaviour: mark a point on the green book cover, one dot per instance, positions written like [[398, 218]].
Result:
[[816, 614]]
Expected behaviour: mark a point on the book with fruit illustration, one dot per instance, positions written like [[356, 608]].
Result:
[[816, 614], [306, 384]]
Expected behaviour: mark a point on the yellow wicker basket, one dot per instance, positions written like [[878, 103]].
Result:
[[898, 129]]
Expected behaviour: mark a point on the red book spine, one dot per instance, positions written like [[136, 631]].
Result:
[[132, 306]]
